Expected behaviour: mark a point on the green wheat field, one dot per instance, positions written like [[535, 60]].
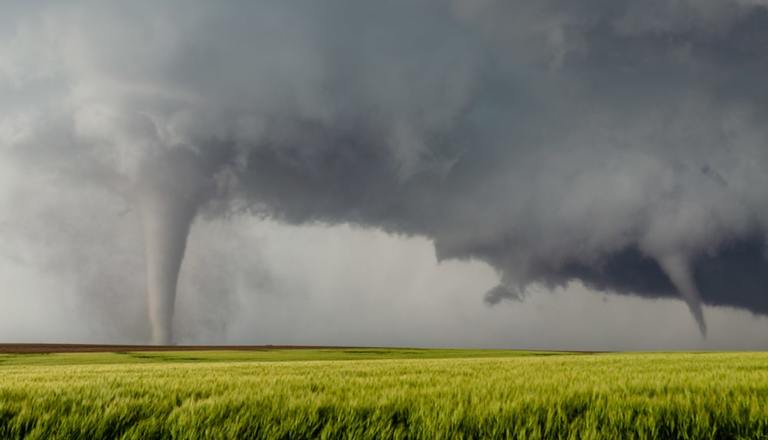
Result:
[[383, 393]]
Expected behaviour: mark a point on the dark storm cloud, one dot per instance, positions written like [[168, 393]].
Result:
[[612, 142]]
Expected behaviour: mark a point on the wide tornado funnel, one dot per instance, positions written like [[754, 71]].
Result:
[[168, 197]]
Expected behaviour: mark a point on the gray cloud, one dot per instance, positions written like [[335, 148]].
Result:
[[617, 145]]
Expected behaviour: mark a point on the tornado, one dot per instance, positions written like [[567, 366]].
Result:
[[169, 193], [678, 270]]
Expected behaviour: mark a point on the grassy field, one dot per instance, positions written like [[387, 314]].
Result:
[[403, 393]]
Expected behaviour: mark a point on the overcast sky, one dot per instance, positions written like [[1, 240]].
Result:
[[350, 286], [489, 173]]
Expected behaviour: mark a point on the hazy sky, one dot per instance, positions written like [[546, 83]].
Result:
[[408, 172]]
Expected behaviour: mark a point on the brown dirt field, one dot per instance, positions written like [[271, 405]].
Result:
[[96, 348]]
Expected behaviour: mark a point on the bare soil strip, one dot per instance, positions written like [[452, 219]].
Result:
[[98, 348]]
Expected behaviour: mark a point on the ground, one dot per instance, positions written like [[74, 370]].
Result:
[[281, 392]]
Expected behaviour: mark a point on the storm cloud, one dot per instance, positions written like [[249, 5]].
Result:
[[611, 143]]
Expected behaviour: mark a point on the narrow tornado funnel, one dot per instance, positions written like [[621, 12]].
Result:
[[168, 197], [678, 270]]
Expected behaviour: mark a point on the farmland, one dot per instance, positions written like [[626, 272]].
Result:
[[383, 393]]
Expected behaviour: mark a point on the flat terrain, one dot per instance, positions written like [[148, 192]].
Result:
[[102, 348], [382, 393]]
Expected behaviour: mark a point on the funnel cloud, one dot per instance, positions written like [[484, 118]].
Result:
[[612, 144], [168, 196]]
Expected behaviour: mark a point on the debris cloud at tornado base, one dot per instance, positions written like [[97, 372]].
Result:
[[618, 145]]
